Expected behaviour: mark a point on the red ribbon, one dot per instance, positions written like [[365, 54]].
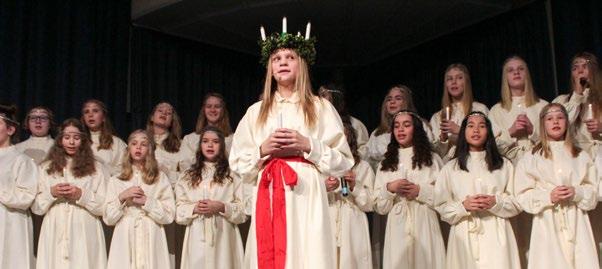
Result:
[[270, 221]]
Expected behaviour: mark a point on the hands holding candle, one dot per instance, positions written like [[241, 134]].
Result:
[[67, 191], [285, 142], [133, 196], [209, 207], [521, 127], [448, 127]]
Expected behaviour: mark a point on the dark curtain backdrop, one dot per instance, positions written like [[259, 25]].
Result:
[[60, 53], [577, 27], [482, 48], [180, 71]]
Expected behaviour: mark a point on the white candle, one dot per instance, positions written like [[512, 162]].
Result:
[[447, 116], [298, 33], [262, 33], [284, 25], [479, 186], [590, 112], [279, 120], [307, 30], [403, 174]]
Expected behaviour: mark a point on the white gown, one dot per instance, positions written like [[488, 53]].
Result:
[[71, 235], [561, 236], [478, 239], [413, 236], [211, 241], [502, 120], [350, 222], [306, 204], [18, 187], [139, 239], [362, 136], [36, 147], [110, 158]]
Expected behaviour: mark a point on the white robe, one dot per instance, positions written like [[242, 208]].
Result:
[[572, 103], [350, 222], [445, 149], [211, 241], [110, 158], [478, 239], [36, 147], [307, 203], [502, 120], [71, 235], [361, 136], [139, 239], [18, 187], [561, 236], [413, 236], [170, 163]]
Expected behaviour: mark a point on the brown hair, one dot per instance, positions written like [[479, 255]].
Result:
[[106, 130], [543, 147], [224, 119], [302, 87], [150, 170], [530, 95], [172, 142], [222, 168], [467, 97], [385, 118], [83, 160], [10, 111]]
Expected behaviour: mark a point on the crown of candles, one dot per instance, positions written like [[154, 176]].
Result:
[[303, 45]]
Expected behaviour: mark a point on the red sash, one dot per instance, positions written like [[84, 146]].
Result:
[[270, 223]]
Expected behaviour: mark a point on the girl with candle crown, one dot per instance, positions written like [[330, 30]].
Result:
[[283, 145], [557, 183], [456, 103], [473, 194]]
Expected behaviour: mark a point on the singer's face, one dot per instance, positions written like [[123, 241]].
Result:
[[516, 72], [580, 69], [210, 146], [403, 129], [71, 140], [163, 115], [138, 147], [94, 116], [213, 109], [455, 83], [555, 124], [394, 101], [285, 66], [476, 133]]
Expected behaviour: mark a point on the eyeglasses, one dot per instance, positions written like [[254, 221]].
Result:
[[39, 118]]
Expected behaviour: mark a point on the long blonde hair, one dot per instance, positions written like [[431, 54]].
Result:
[[174, 134], [543, 147], [531, 97], [150, 171], [385, 117], [302, 87], [467, 97], [224, 120]]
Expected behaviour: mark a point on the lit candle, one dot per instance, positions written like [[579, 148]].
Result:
[[307, 29], [298, 33], [284, 25], [447, 117], [590, 112], [479, 186], [262, 33]]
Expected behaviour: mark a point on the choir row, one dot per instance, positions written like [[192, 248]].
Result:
[[467, 181]]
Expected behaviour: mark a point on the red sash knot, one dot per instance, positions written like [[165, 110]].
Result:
[[270, 218]]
